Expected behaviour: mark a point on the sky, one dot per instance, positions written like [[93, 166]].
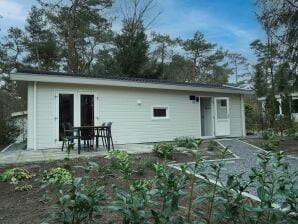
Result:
[[231, 24]]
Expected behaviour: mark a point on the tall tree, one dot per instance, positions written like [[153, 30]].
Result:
[[132, 45], [259, 81], [40, 42], [199, 50], [163, 49], [132, 48], [239, 65], [279, 18], [179, 69], [81, 28]]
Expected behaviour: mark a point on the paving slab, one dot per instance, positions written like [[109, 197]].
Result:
[[19, 155]]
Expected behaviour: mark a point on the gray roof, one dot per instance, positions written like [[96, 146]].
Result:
[[128, 79]]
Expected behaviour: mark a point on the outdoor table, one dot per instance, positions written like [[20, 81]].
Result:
[[95, 132]]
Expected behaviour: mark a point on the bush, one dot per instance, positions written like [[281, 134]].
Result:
[[8, 131], [57, 176], [15, 175], [164, 150], [266, 134], [187, 142]]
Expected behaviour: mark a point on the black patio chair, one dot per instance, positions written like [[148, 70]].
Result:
[[109, 135], [87, 136], [68, 135], [101, 133]]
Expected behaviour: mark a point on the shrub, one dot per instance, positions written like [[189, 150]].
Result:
[[290, 132], [164, 150], [79, 203], [57, 176], [266, 134], [15, 175], [187, 142], [8, 131]]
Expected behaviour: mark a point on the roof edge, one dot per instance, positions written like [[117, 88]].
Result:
[[124, 82]]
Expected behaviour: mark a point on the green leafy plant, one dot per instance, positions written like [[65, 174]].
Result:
[[164, 150], [78, 199], [57, 176], [268, 133], [79, 203], [185, 142], [15, 175], [168, 187]]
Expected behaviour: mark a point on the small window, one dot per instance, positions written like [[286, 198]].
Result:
[[160, 112], [223, 103]]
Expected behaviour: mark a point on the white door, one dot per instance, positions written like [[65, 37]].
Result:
[[222, 116]]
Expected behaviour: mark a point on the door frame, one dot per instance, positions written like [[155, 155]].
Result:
[[228, 115], [212, 117]]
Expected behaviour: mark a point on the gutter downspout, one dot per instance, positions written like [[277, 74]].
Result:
[[34, 115]]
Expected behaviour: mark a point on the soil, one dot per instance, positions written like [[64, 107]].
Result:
[[31, 207], [289, 145]]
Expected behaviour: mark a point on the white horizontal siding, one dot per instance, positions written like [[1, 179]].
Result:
[[235, 115], [132, 123]]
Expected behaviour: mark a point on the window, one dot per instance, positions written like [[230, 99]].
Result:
[[223, 103], [222, 109], [295, 106], [160, 112]]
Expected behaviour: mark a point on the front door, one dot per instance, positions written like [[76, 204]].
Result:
[[222, 116]]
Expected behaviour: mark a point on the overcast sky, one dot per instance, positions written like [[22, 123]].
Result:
[[231, 24]]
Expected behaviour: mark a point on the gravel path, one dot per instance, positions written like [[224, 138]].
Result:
[[247, 159]]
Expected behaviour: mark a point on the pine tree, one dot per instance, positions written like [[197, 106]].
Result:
[[132, 48], [81, 29], [41, 44], [259, 80]]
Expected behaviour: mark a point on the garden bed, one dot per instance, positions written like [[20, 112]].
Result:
[[30, 206], [288, 145]]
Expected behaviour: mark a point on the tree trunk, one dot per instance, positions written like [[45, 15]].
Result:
[[71, 45]]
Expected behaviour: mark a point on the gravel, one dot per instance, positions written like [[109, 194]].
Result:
[[247, 159]]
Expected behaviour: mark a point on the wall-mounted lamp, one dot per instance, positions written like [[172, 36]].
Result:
[[139, 102]]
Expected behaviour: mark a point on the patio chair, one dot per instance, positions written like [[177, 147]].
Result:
[[68, 135], [109, 135], [87, 135], [101, 133]]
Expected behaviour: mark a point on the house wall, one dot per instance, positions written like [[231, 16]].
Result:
[[132, 123]]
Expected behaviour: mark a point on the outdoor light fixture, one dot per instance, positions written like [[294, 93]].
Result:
[[191, 97], [139, 102]]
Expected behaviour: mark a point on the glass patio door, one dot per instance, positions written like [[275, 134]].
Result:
[[65, 108], [87, 110]]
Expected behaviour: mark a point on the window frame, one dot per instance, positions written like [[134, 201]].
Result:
[[160, 107]]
